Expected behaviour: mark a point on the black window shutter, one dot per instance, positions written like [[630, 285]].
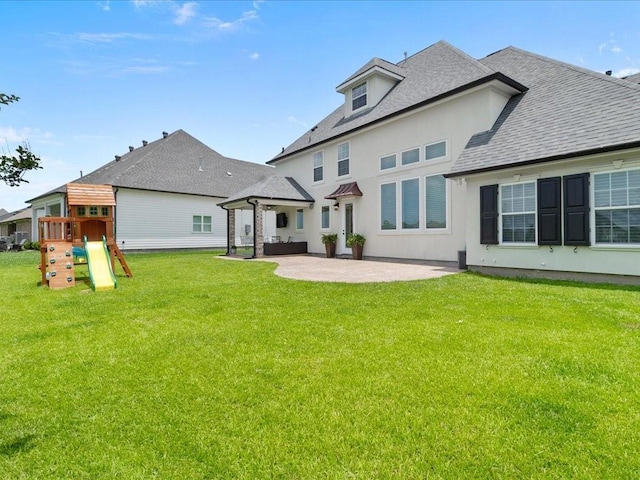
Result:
[[576, 209], [489, 215], [549, 211]]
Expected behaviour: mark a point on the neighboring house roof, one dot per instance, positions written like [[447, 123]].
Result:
[[177, 163], [430, 75], [568, 111], [24, 214], [272, 188], [4, 213], [635, 78]]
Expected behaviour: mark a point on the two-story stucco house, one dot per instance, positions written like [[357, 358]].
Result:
[[526, 163]]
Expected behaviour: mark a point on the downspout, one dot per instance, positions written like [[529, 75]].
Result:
[[255, 224], [115, 216], [227, 210]]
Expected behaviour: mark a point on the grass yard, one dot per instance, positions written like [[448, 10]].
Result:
[[203, 368]]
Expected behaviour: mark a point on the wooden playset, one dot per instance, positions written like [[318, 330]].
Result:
[[91, 218]]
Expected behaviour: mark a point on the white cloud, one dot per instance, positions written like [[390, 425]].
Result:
[[10, 136], [106, 6], [149, 69], [185, 13], [109, 37], [254, 56], [601, 47], [625, 72], [616, 49], [293, 119], [216, 23], [256, 4]]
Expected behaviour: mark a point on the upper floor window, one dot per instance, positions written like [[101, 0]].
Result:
[[359, 96], [388, 162], [411, 156], [318, 167], [617, 207], [343, 159], [518, 212], [202, 224], [435, 150]]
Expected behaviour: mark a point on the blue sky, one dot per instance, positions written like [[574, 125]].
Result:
[[246, 78]]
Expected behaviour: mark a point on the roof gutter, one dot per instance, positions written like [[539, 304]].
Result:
[[564, 156], [489, 78]]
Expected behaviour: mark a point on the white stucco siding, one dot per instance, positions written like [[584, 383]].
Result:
[[159, 220], [596, 258], [453, 121]]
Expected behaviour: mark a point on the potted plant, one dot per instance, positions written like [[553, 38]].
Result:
[[329, 240], [355, 241]]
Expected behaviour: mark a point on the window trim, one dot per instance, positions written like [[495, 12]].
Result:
[[353, 99], [202, 224], [443, 158], [409, 165], [314, 166], [395, 165], [501, 214], [347, 159], [298, 227], [322, 210], [595, 209]]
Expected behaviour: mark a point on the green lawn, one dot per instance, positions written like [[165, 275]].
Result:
[[203, 368]]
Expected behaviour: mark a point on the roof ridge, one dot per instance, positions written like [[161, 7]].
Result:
[[569, 66]]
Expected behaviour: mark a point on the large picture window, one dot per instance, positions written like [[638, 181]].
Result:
[[411, 204], [518, 212], [617, 207], [436, 202], [201, 224], [388, 206], [343, 159], [318, 167]]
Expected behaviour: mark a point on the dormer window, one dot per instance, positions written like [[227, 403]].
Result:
[[359, 96]]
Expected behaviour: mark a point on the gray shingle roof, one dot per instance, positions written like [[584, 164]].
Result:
[[567, 111], [177, 163], [635, 78], [272, 188], [376, 62], [435, 71]]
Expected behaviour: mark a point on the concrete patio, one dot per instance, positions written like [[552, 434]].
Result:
[[320, 269]]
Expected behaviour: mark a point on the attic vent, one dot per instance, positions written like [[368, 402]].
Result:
[[131, 148], [144, 143], [118, 157], [608, 73], [165, 134]]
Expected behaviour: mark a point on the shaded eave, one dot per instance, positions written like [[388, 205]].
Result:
[[481, 81], [262, 200], [553, 158]]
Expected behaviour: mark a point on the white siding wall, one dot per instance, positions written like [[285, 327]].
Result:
[[454, 121], [158, 220], [586, 259]]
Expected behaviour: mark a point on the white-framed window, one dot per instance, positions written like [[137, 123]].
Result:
[[325, 221], [300, 219], [202, 224], [343, 159], [434, 151], [518, 212], [435, 188], [410, 204], [359, 96], [410, 156], [318, 166], [388, 206], [617, 207], [387, 162]]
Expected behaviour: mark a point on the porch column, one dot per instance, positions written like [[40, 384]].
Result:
[[259, 230], [231, 229]]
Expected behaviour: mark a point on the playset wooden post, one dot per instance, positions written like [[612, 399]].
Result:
[[91, 214]]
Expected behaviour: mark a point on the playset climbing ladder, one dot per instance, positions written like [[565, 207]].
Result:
[[91, 214]]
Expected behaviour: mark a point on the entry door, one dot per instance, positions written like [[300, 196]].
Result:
[[347, 227]]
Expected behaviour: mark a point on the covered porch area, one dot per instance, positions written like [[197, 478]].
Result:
[[287, 200]]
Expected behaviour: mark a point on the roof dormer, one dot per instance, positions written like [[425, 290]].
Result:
[[365, 88]]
